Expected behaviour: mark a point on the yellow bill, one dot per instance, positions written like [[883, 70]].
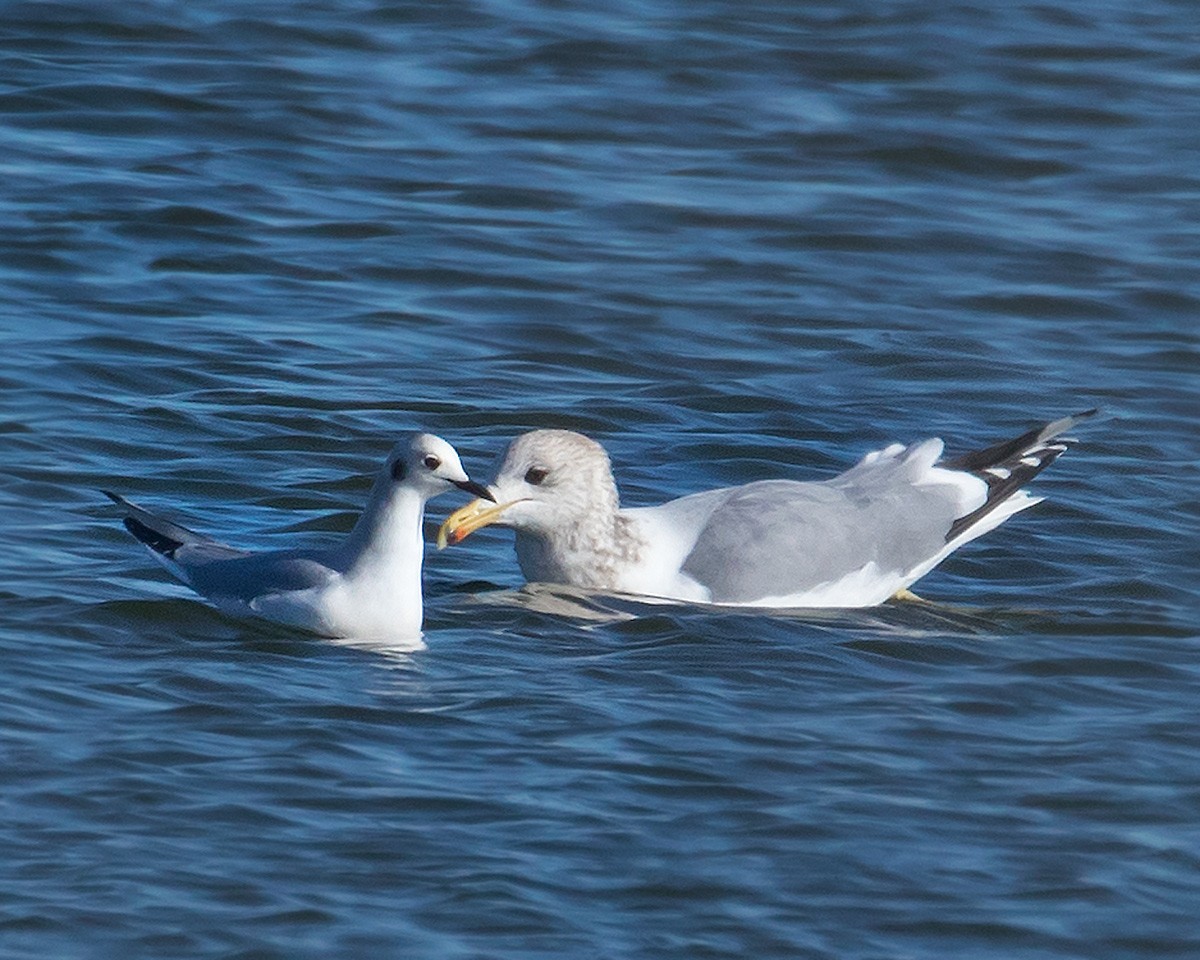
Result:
[[466, 520]]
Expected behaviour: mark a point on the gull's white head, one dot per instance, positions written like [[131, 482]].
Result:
[[548, 481], [428, 465]]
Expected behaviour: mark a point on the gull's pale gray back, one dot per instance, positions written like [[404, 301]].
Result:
[[770, 539]]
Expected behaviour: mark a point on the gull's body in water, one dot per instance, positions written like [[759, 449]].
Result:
[[852, 541], [366, 587]]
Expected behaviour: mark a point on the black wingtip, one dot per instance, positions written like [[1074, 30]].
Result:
[[115, 498], [1009, 465], [156, 540]]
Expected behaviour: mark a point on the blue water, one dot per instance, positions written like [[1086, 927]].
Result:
[[246, 246]]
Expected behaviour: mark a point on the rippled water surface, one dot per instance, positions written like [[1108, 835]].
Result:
[[246, 246]]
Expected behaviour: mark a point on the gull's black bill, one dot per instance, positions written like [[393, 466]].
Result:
[[476, 488]]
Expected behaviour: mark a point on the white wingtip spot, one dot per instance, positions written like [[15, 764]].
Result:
[[1001, 473]]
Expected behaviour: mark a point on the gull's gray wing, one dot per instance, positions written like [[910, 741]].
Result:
[[894, 515], [247, 578], [220, 572], [168, 541], [777, 538]]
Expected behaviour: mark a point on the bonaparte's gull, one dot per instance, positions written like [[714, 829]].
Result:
[[852, 541], [366, 587]]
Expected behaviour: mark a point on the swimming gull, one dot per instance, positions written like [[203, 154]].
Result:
[[855, 540], [366, 587]]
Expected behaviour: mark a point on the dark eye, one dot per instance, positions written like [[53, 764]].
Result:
[[535, 475], [398, 470], [432, 462]]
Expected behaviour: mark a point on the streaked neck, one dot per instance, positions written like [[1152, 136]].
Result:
[[591, 554]]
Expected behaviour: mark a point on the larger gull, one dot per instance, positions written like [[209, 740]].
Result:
[[366, 587], [855, 540]]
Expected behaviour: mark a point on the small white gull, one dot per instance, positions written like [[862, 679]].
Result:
[[855, 540], [367, 587]]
